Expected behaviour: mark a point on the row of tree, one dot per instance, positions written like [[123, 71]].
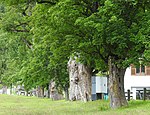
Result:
[[38, 37]]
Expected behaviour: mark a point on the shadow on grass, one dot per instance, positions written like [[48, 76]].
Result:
[[133, 104], [104, 106], [136, 103]]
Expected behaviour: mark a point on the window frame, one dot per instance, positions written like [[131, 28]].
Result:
[[145, 73], [140, 73]]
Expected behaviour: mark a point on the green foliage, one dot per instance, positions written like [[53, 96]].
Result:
[[31, 61], [111, 30]]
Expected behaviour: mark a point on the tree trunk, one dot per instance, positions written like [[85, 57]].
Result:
[[66, 93], [80, 81], [116, 85], [27, 92], [4, 90], [40, 92], [11, 89], [48, 90], [54, 94]]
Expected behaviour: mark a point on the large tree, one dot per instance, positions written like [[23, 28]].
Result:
[[106, 35]]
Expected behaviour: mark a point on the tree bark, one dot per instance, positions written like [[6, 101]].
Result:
[[42, 89], [27, 92], [80, 81], [54, 94], [4, 90], [48, 90], [116, 85], [40, 92], [66, 92]]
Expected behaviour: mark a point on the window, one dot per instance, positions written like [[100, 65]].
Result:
[[142, 70], [147, 70], [137, 70]]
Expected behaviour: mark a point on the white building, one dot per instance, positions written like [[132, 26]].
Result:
[[137, 78], [99, 87]]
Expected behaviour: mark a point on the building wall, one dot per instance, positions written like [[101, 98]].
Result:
[[101, 84], [135, 81], [99, 87]]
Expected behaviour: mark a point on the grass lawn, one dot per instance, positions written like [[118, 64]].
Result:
[[21, 105]]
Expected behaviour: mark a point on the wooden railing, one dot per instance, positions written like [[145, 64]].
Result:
[[144, 94], [128, 95]]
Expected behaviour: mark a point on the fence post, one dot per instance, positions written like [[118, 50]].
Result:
[[144, 94], [128, 95]]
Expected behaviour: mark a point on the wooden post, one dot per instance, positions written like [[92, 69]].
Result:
[[128, 95], [144, 94]]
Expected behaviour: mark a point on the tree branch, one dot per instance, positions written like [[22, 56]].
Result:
[[44, 1], [15, 30], [28, 43]]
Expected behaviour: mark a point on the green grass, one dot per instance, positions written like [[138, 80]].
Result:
[[21, 105]]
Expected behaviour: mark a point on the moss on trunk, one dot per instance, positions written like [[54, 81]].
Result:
[[116, 85]]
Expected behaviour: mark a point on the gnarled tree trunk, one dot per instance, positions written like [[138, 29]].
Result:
[[66, 92], [4, 90], [40, 92], [54, 94], [116, 85], [80, 81]]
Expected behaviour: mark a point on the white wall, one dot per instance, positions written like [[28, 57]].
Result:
[[101, 84], [135, 81]]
